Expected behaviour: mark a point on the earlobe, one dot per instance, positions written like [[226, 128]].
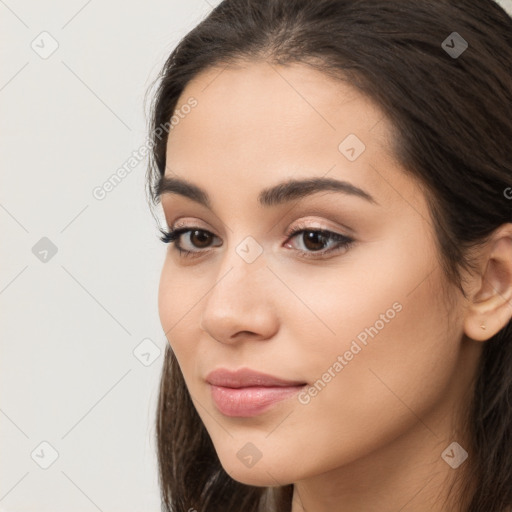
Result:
[[490, 307]]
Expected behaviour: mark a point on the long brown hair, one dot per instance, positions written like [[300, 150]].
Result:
[[452, 116]]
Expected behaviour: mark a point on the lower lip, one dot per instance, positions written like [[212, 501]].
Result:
[[250, 401]]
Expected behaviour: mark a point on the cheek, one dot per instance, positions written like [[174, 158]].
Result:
[[166, 297], [378, 303], [385, 315], [178, 300], [400, 374]]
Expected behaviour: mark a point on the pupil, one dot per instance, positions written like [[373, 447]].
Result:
[[204, 237], [311, 236]]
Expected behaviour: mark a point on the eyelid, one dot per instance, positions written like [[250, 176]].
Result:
[[313, 224], [191, 223]]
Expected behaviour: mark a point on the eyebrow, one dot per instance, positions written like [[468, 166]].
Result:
[[275, 195]]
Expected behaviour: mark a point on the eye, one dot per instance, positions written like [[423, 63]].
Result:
[[314, 241], [197, 237]]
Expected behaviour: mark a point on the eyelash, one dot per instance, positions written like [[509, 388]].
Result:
[[343, 242]]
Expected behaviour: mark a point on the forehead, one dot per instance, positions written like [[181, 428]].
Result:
[[258, 123], [293, 102]]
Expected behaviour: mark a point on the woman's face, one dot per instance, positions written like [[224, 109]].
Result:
[[364, 326]]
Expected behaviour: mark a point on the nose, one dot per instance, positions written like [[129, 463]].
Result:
[[240, 305]]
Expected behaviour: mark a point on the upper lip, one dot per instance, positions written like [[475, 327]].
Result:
[[245, 377]]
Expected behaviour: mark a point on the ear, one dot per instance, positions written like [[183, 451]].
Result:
[[490, 302]]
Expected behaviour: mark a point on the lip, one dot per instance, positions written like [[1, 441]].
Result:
[[246, 392], [245, 377]]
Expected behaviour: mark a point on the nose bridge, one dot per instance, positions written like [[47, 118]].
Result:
[[239, 299], [244, 258], [240, 279]]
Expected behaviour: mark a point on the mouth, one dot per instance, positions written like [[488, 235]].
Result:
[[247, 393]]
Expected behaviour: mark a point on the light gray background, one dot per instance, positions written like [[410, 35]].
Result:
[[72, 325], [68, 375]]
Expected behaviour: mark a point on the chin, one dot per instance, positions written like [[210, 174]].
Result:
[[256, 479], [260, 475]]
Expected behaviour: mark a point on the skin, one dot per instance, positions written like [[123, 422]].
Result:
[[372, 438]]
